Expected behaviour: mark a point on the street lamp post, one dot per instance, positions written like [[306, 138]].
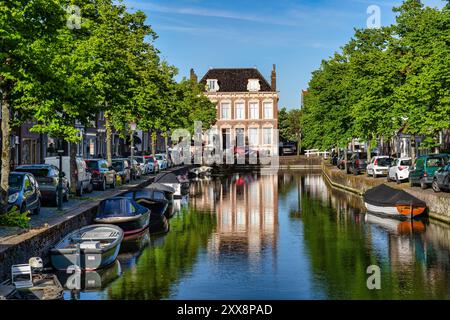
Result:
[[133, 128], [60, 177]]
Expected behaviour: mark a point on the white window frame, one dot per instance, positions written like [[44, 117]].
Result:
[[242, 103], [215, 87], [222, 109], [250, 114], [253, 85], [264, 130], [270, 116], [250, 140]]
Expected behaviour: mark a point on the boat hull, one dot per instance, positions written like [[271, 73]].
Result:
[[401, 212], [130, 225]]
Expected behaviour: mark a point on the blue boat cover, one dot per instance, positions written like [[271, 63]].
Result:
[[120, 207]]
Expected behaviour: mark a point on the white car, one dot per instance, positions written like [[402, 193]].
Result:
[[145, 166], [162, 162], [399, 171], [379, 166]]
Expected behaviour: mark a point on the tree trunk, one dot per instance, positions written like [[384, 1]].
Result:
[[6, 152], [108, 140], [369, 149], [153, 143], [73, 168], [346, 159], [299, 144], [166, 144]]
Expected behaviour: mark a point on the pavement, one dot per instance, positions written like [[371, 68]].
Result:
[[49, 214]]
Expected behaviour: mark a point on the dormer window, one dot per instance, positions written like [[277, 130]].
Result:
[[212, 85], [253, 85]]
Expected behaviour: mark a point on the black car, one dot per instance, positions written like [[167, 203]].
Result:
[[441, 179], [358, 163], [102, 174], [288, 148], [47, 176], [23, 193]]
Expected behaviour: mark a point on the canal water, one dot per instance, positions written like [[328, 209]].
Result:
[[280, 236]]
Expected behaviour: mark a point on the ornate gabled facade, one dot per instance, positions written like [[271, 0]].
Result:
[[247, 107]]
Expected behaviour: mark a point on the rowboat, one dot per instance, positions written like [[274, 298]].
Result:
[[393, 203], [125, 213], [91, 247]]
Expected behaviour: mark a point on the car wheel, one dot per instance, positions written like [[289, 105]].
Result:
[[37, 211], [423, 185], [435, 186], [103, 185]]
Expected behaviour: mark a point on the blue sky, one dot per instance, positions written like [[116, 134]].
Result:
[[293, 34]]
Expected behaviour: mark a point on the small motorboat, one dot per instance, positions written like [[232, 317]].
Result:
[[168, 191], [90, 248], [170, 179], [125, 213], [153, 199], [393, 203]]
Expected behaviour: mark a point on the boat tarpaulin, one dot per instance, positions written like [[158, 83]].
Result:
[[385, 196], [168, 177], [120, 207]]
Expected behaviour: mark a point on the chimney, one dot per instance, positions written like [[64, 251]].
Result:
[[193, 76], [274, 78]]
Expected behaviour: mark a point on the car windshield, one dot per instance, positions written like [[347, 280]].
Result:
[[37, 172], [436, 162], [406, 163], [92, 164], [118, 165], [384, 162], [15, 182]]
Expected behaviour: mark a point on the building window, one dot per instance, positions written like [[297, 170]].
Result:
[[253, 110], [267, 135], [240, 111], [212, 85], [253, 136], [268, 110], [253, 85], [226, 111]]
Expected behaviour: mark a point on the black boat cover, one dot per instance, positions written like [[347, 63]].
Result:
[[385, 196], [152, 194], [167, 177], [120, 207]]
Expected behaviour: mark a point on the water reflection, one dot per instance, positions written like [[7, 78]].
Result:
[[286, 236]]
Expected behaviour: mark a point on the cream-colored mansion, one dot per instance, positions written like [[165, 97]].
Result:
[[247, 107]]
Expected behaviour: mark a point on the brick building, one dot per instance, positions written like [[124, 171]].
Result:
[[247, 107]]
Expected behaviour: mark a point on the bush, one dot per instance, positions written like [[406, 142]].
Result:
[[15, 219]]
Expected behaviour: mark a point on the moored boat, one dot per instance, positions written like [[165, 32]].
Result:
[[170, 179], [91, 247], [152, 199], [393, 203], [125, 213], [168, 191]]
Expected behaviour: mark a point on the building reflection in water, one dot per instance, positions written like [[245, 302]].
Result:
[[246, 207]]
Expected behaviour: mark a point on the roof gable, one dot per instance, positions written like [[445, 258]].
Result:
[[236, 79]]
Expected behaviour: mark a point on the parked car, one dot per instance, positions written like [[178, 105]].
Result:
[[150, 160], [341, 160], [84, 177], [357, 163], [102, 174], [123, 169], [399, 170], [47, 176], [136, 171], [145, 166], [441, 180], [288, 148], [424, 169], [378, 166], [24, 193], [162, 162]]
